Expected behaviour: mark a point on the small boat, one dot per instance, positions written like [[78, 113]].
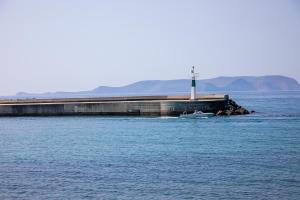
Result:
[[196, 114]]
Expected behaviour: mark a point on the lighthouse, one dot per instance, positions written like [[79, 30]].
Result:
[[193, 89]]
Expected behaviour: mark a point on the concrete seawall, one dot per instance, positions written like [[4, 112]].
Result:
[[145, 106]]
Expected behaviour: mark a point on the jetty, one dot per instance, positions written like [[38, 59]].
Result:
[[220, 104], [133, 105]]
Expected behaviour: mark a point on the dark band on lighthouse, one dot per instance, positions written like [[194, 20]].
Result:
[[193, 83]]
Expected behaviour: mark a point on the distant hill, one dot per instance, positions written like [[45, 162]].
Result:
[[182, 86]]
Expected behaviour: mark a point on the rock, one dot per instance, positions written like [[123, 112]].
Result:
[[230, 107], [229, 112], [233, 103], [246, 112], [233, 109], [241, 111], [221, 113]]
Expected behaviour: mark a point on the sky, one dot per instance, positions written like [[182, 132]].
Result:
[[72, 45]]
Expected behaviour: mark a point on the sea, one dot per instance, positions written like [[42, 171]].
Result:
[[254, 156]]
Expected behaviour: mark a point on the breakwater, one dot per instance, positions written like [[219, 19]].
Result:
[[135, 105]]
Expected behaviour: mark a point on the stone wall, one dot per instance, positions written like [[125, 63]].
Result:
[[145, 108]]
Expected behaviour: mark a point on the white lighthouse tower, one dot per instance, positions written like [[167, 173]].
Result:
[[193, 89]]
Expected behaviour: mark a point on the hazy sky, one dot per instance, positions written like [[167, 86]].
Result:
[[58, 45]]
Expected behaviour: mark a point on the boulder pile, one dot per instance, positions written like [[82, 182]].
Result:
[[233, 109]]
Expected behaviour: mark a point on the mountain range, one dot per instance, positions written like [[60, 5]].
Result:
[[182, 86]]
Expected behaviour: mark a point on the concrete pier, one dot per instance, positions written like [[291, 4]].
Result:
[[135, 105]]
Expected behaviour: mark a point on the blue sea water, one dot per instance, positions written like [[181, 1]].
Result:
[[239, 157]]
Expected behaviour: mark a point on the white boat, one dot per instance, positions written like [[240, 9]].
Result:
[[197, 114]]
